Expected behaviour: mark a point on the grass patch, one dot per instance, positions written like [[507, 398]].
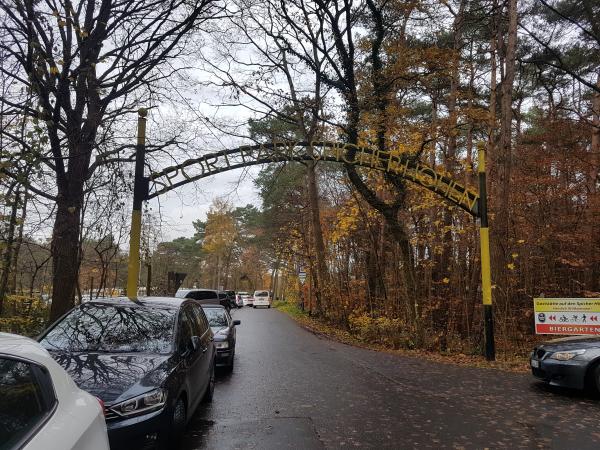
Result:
[[290, 309]]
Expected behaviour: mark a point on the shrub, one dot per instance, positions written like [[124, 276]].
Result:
[[24, 315], [381, 330]]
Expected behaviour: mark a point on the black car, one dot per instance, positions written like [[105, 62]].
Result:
[[223, 327], [205, 296], [151, 362], [232, 297], [572, 362]]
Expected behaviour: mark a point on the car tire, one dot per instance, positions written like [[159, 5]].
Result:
[[229, 367], [269, 306], [595, 384], [210, 389], [172, 438]]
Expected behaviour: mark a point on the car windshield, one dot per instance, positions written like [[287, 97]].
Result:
[[112, 329], [217, 317]]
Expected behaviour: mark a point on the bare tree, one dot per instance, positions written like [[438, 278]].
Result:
[[87, 63]]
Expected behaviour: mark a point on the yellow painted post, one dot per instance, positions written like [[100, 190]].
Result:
[[140, 193], [486, 273]]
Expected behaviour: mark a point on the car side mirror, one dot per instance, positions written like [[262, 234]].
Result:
[[195, 343], [237, 322]]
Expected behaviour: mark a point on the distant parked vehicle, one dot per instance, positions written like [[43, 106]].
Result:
[[223, 327], [204, 296], [151, 362], [40, 406], [231, 298], [262, 298], [239, 300], [247, 299]]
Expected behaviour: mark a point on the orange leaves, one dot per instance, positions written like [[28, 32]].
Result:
[[221, 230]]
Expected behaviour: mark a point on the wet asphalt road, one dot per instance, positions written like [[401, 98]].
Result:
[[292, 389]]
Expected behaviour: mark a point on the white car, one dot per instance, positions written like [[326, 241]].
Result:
[[261, 298], [41, 407], [246, 298]]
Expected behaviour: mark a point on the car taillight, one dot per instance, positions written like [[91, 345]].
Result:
[[101, 405]]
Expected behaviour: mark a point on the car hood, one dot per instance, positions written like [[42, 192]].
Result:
[[114, 377], [572, 343]]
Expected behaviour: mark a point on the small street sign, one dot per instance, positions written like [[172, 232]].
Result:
[[302, 276]]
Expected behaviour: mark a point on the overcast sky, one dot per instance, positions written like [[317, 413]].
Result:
[[179, 208]]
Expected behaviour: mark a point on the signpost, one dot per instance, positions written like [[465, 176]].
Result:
[[301, 279], [567, 316], [302, 276]]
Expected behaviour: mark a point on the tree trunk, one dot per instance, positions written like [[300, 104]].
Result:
[[322, 278], [506, 120], [65, 253], [12, 282], [450, 160], [594, 180], [7, 257]]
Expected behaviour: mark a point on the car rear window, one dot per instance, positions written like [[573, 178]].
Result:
[[111, 329], [217, 317], [202, 295], [262, 294]]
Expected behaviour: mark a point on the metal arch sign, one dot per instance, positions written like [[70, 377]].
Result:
[[392, 162], [386, 161]]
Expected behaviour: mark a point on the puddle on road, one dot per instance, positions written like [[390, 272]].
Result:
[[264, 434]]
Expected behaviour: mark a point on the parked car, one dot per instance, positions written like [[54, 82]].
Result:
[[150, 361], [572, 362], [40, 405], [247, 299], [231, 297], [210, 296], [261, 298], [224, 300], [223, 327], [239, 301]]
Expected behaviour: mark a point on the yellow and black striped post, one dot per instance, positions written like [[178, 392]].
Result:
[[140, 188], [486, 276]]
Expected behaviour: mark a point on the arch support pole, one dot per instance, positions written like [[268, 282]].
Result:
[[486, 275], [140, 192]]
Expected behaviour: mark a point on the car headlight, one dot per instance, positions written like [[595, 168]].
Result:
[[566, 356], [222, 345], [150, 401]]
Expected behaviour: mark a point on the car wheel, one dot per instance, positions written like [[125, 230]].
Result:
[[596, 379], [229, 367], [269, 306], [172, 438], [254, 307], [210, 389]]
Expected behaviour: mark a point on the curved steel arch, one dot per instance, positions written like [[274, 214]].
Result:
[[249, 155]]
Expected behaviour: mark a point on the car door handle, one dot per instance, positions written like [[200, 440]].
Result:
[[204, 349]]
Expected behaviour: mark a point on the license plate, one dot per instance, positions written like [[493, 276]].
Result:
[[535, 364]]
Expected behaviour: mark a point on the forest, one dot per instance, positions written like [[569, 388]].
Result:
[[386, 260]]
